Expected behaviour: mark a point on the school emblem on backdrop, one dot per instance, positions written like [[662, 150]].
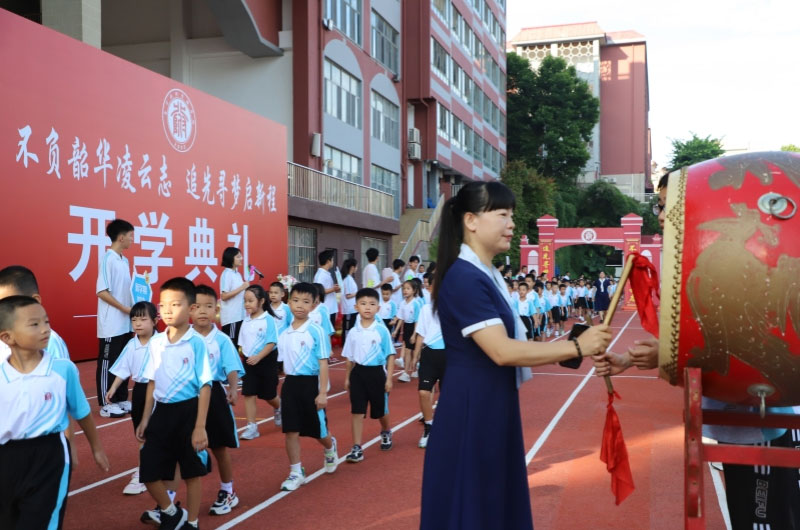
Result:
[[180, 122], [588, 235]]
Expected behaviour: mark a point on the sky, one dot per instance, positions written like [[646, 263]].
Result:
[[725, 68]]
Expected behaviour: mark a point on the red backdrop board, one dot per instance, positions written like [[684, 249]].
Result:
[[86, 137]]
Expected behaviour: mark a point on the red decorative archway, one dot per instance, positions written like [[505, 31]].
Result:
[[627, 237]]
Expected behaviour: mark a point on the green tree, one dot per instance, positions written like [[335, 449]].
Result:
[[790, 147], [551, 115], [694, 150]]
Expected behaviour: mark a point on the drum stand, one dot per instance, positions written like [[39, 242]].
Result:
[[696, 453]]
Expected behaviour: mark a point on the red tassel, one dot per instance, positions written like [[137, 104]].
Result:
[[645, 287], [615, 455]]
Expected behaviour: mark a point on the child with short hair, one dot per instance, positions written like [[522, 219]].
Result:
[[130, 364], [413, 265], [305, 348], [427, 278], [320, 314], [552, 302], [543, 309], [258, 338], [283, 316], [407, 315], [349, 290], [563, 304], [370, 356], [397, 284], [430, 350], [524, 309], [37, 392], [370, 277], [226, 368], [580, 300], [388, 309], [173, 426]]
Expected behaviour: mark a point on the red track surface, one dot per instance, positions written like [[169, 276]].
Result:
[[569, 486]]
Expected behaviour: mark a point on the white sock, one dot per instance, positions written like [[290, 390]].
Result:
[[171, 495], [251, 424], [227, 487], [429, 422], [329, 452], [193, 523], [171, 509], [296, 469]]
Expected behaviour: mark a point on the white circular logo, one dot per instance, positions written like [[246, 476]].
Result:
[[588, 236], [180, 122]]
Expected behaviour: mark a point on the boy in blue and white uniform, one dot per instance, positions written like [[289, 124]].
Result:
[[37, 392], [388, 309], [431, 353], [321, 315], [543, 308], [304, 350], [563, 303], [283, 316], [370, 355], [226, 369], [524, 307], [173, 427]]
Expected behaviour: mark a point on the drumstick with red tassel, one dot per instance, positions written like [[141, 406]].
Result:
[[613, 451]]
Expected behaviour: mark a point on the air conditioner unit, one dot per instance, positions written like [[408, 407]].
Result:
[[413, 135], [414, 151], [328, 23]]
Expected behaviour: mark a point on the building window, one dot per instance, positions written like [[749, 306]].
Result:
[[342, 94], [440, 60], [384, 42], [385, 120], [443, 120], [346, 15], [440, 8], [383, 252], [342, 165], [302, 253], [389, 182]]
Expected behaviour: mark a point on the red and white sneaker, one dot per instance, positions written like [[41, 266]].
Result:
[[224, 503]]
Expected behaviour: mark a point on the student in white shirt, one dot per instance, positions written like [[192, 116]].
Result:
[[411, 272], [407, 315], [397, 284], [114, 302], [388, 309], [323, 277], [231, 290], [581, 300], [426, 287], [349, 290], [283, 316], [370, 277]]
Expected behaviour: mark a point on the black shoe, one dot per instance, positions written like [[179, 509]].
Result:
[[356, 454], [172, 522], [152, 517], [386, 440]]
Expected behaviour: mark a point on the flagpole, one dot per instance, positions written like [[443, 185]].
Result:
[[612, 306]]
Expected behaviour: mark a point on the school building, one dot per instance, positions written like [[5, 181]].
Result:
[[390, 106], [615, 66]]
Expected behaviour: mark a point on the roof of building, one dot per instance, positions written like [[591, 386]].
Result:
[[576, 31]]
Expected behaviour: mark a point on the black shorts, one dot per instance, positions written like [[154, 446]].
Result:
[[528, 325], [220, 424], [560, 314], [108, 352], [581, 303], [34, 480], [298, 410], [388, 323], [168, 441], [431, 368], [368, 385], [408, 334], [138, 397], [261, 379], [232, 330]]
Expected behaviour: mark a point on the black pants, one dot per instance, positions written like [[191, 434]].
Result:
[[764, 495], [109, 350], [232, 330], [348, 321]]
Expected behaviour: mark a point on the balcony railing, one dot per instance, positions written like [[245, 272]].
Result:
[[314, 185]]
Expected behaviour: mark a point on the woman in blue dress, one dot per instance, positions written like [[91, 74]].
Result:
[[475, 475], [601, 297]]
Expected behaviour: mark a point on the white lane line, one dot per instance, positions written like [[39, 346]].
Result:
[[101, 482], [278, 496], [106, 424], [615, 377], [549, 429]]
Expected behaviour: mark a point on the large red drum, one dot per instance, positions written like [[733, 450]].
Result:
[[731, 278]]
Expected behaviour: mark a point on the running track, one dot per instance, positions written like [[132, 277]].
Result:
[[563, 412]]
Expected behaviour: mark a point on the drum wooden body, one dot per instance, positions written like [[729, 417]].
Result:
[[730, 300]]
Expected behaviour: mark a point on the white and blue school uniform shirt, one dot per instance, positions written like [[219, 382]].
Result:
[[524, 308], [179, 370], [283, 316], [368, 346], [397, 296], [232, 309], [571, 294], [563, 300], [56, 347], [321, 317], [113, 276], [301, 349], [387, 310], [131, 362], [409, 310], [36, 404], [350, 287], [256, 333], [324, 278], [552, 299], [429, 329], [223, 358]]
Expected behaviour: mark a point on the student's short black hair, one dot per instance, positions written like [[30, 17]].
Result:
[[386, 287], [9, 305], [320, 292], [372, 254], [413, 258], [117, 227], [549, 283], [182, 285], [325, 256], [531, 276], [396, 264], [427, 276], [206, 290], [523, 284], [367, 292], [144, 309], [228, 256], [562, 285], [538, 285], [305, 288], [20, 278], [278, 284], [664, 180]]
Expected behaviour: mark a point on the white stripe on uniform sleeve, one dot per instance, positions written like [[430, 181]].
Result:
[[469, 330]]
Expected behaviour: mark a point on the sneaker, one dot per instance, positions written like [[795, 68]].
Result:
[[356, 454], [386, 440], [423, 442], [171, 522], [224, 503], [134, 487], [125, 406], [250, 432], [294, 481], [112, 410], [404, 377], [332, 460], [278, 418], [399, 363], [415, 374], [152, 517]]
